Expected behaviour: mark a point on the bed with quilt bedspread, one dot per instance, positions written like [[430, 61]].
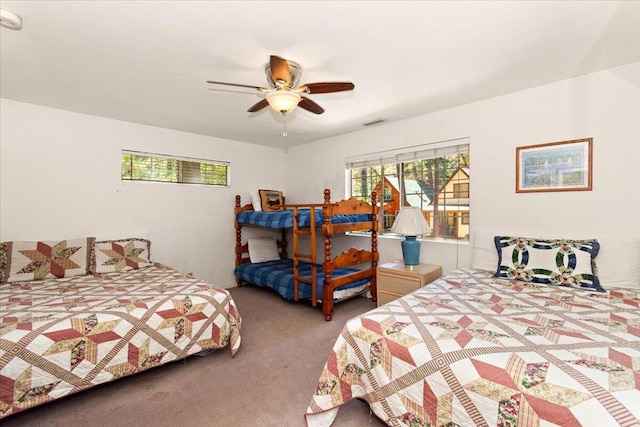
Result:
[[62, 335], [470, 350], [278, 275]]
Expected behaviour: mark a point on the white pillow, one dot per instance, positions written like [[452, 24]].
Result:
[[619, 262], [483, 253], [255, 201], [261, 250]]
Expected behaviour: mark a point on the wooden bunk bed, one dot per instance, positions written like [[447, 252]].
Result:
[[321, 280]]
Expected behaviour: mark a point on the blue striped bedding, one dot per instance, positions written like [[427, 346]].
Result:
[[284, 218], [278, 275]]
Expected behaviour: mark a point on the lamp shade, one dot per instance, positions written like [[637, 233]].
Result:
[[283, 100], [410, 222]]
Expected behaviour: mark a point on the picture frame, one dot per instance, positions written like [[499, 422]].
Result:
[[555, 166]]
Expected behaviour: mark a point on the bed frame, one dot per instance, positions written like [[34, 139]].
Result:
[[348, 258]]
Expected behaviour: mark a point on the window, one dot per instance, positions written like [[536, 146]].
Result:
[[161, 168], [461, 191], [434, 179], [387, 197]]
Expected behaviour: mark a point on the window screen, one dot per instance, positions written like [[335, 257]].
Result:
[[137, 166]]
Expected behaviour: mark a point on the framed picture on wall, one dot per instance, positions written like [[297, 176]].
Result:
[[555, 166]]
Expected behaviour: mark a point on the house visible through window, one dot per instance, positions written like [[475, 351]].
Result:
[[434, 179], [161, 168]]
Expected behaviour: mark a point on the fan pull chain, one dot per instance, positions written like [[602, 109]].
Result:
[[284, 127]]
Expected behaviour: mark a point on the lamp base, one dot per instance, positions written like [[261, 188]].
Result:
[[411, 250]]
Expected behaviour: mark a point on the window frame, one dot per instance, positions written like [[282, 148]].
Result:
[[397, 161], [184, 170]]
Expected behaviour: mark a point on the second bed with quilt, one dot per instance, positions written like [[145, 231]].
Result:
[[471, 349]]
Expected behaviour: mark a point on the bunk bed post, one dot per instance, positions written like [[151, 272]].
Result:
[[373, 284], [283, 235], [312, 256], [238, 238], [296, 260], [327, 292]]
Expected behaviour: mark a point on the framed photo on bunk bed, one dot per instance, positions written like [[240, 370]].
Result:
[[555, 166]]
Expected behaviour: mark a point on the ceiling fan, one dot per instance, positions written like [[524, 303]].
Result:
[[283, 93]]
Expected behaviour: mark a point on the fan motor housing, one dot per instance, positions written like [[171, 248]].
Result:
[[294, 69]]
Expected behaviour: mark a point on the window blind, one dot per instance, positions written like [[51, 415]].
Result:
[[407, 154], [141, 166]]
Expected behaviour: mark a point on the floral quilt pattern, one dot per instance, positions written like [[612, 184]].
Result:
[[473, 350], [60, 336]]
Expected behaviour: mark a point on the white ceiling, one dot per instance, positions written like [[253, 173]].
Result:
[[147, 61]]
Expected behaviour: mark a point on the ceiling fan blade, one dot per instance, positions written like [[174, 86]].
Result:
[[327, 87], [258, 106], [261, 89], [280, 73], [309, 105]]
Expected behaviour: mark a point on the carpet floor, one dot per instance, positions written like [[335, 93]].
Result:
[[269, 382]]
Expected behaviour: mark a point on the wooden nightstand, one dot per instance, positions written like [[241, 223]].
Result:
[[396, 279]]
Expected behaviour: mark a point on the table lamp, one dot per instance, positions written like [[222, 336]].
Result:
[[410, 223]]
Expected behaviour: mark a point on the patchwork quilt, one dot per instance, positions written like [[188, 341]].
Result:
[[60, 336], [472, 350]]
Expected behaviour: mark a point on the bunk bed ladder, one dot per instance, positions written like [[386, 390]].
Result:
[[297, 255]]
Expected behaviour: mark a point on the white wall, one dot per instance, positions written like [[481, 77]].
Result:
[[60, 178], [603, 105], [59, 173]]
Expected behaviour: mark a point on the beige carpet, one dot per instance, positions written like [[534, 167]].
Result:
[[269, 382]]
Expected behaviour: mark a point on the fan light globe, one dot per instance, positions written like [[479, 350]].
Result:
[[10, 20], [283, 101]]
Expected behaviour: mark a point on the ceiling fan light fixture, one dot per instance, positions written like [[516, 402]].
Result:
[[284, 94], [283, 101]]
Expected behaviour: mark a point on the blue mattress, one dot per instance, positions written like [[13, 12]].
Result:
[[278, 275], [284, 218]]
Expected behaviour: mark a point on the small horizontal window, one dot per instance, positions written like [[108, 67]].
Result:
[[138, 166]]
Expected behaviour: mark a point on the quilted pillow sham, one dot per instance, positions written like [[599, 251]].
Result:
[[122, 255], [271, 200], [553, 262], [23, 261]]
